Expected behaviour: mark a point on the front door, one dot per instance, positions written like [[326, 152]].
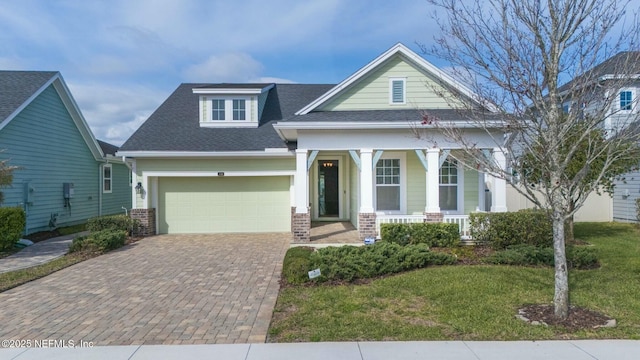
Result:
[[328, 191]]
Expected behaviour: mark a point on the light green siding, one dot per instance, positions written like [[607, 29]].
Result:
[[470, 191], [416, 184], [372, 92], [47, 145], [227, 204], [215, 165]]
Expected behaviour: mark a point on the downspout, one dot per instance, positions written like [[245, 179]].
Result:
[[100, 184]]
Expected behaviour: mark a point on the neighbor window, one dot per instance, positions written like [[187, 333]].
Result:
[[106, 178], [449, 185], [388, 185], [626, 100], [239, 110], [397, 91], [217, 109]]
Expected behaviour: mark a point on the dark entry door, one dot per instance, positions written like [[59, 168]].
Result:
[[328, 192]]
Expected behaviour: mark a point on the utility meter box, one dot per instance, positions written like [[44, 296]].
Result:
[[67, 190]]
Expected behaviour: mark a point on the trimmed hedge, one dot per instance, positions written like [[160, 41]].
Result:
[[12, 223], [578, 257], [431, 234], [349, 263], [296, 265], [501, 230], [99, 241], [112, 222]]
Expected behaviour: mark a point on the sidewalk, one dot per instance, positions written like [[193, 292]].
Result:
[[38, 253], [451, 350]]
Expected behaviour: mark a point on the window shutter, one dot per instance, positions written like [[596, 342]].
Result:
[[397, 91]]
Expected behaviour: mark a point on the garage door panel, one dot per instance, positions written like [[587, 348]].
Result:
[[231, 204]]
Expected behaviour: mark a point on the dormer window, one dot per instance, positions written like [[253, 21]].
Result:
[[239, 109], [232, 105], [626, 100]]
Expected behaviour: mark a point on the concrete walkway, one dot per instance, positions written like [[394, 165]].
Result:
[[39, 253], [451, 350]]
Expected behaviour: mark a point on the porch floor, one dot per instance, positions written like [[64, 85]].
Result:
[[334, 233]]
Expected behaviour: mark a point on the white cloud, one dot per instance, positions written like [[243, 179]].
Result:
[[115, 112], [228, 67]]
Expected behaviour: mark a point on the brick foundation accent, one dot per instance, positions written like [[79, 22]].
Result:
[[367, 225], [301, 226], [147, 219], [433, 217]]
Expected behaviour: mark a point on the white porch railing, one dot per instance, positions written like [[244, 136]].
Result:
[[461, 220]]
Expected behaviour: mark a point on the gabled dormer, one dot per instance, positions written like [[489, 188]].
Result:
[[232, 105]]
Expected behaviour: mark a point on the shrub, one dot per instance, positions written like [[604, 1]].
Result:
[[638, 209], [523, 255], [501, 230], [350, 263], [112, 222], [99, 241], [431, 234], [12, 223], [296, 265]]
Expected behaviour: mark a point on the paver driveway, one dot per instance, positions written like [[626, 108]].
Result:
[[168, 289]]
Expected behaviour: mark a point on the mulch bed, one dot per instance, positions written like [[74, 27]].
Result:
[[579, 318], [42, 235]]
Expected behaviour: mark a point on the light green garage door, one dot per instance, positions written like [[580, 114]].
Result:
[[223, 204]]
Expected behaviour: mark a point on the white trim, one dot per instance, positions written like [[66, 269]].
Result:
[[198, 154], [301, 181], [217, 173], [402, 156], [331, 125], [110, 178], [410, 55], [634, 101], [232, 91], [404, 90], [229, 124], [342, 173], [460, 188]]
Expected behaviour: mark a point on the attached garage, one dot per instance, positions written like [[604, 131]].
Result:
[[224, 204]]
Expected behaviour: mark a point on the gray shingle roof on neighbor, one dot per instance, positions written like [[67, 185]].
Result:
[[623, 63], [17, 86], [107, 149], [175, 125]]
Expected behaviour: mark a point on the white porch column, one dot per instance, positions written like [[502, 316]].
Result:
[[301, 181], [433, 183], [366, 181], [499, 193]]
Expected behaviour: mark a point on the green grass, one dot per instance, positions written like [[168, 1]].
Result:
[[468, 302], [12, 279]]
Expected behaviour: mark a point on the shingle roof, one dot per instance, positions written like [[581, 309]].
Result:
[[175, 126], [107, 149], [17, 86], [404, 116], [233, 86], [623, 63]]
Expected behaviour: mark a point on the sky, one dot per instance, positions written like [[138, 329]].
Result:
[[122, 58]]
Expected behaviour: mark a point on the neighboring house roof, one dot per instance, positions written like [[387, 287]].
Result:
[[175, 126], [623, 64], [107, 149], [19, 88]]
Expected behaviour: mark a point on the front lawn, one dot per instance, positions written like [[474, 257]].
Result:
[[468, 302]]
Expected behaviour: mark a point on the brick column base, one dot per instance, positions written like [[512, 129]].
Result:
[[433, 217], [301, 226], [367, 225], [147, 221]]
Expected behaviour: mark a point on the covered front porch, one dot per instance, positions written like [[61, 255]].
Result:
[[368, 187]]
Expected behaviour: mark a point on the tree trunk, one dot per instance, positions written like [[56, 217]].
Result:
[[569, 230], [561, 295]]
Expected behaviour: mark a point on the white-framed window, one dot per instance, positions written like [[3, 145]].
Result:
[[218, 110], [449, 185], [390, 184], [107, 178], [626, 100], [397, 91], [239, 109]]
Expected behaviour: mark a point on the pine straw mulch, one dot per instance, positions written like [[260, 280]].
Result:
[[578, 319]]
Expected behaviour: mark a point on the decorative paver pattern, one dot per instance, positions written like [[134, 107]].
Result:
[[168, 289]]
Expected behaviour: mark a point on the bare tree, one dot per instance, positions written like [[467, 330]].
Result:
[[6, 175], [518, 54]]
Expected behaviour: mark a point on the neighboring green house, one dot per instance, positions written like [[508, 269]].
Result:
[[274, 157], [66, 176]]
